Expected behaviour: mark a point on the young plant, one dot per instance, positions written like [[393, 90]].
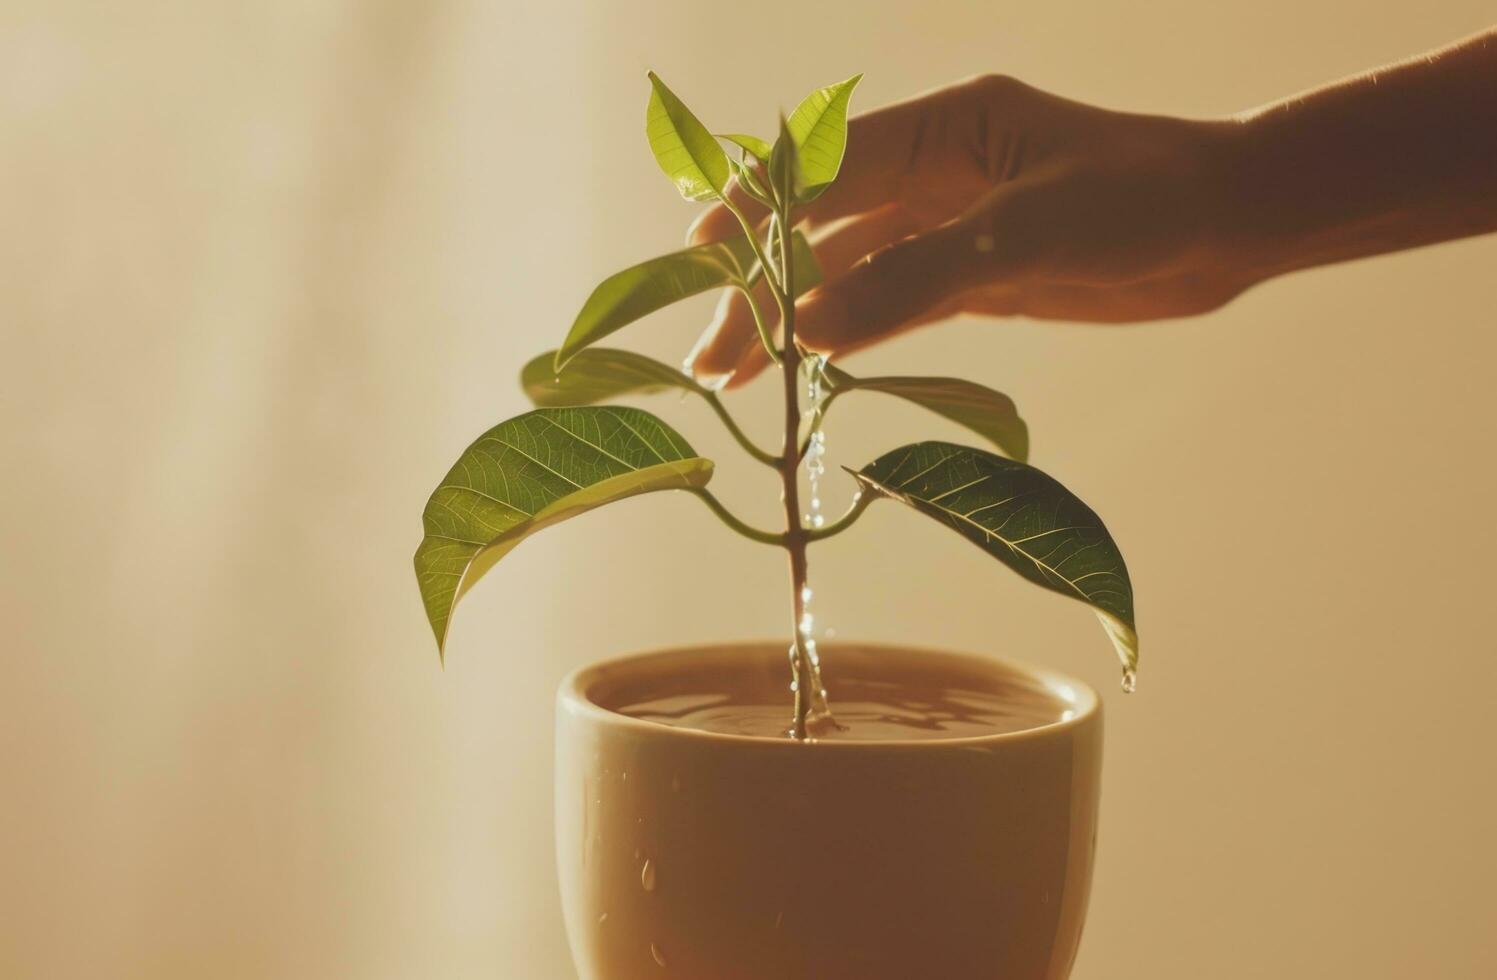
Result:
[[572, 453]]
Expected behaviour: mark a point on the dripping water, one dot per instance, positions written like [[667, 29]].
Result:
[[813, 367]]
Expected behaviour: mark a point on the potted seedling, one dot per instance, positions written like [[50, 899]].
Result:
[[718, 816]]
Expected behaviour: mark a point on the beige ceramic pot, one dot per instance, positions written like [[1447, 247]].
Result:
[[721, 857]]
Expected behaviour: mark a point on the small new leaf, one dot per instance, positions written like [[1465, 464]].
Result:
[[531, 472], [685, 150], [599, 374], [991, 414], [756, 148], [1020, 516], [819, 128], [783, 164]]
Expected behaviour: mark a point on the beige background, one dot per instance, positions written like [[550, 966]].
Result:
[[266, 268]]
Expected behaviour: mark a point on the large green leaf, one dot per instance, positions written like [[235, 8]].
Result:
[[1020, 516], [991, 414], [685, 150], [599, 374], [531, 472], [642, 289], [819, 127]]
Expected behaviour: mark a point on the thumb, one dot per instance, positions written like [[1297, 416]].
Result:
[[893, 288]]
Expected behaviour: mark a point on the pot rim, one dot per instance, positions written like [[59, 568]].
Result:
[[572, 697]]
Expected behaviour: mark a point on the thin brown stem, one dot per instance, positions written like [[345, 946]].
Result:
[[806, 676]]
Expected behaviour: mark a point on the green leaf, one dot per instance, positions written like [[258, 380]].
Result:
[[599, 374], [756, 148], [531, 472], [819, 127], [685, 150], [1020, 516], [642, 289], [784, 162], [744, 174], [990, 414]]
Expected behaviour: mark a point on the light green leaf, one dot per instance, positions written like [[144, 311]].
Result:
[[531, 472], [599, 374], [990, 414], [819, 127], [746, 179], [756, 148], [685, 150], [1020, 516], [784, 162], [640, 290]]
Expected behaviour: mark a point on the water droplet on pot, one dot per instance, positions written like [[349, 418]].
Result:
[[647, 876], [659, 956], [1130, 680]]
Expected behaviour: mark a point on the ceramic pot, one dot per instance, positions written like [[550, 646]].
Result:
[[689, 854]]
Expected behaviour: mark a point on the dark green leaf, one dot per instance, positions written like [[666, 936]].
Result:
[[1020, 516], [531, 472], [685, 150], [598, 374], [989, 413], [819, 127]]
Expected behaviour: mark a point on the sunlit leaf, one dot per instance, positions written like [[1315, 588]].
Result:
[[756, 148], [598, 374], [743, 173], [783, 163], [1020, 516], [531, 472], [819, 127], [640, 290], [990, 414], [685, 150]]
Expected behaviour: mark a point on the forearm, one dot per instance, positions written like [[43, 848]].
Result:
[[1397, 158]]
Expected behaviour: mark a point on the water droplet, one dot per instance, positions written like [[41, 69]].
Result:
[[602, 918], [805, 593], [657, 954], [779, 920], [647, 876], [1130, 680]]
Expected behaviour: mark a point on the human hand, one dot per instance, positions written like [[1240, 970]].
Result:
[[992, 197]]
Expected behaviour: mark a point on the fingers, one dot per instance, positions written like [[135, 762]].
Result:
[[730, 349], [901, 286], [725, 347]]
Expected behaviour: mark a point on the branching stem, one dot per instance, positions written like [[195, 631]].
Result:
[[763, 456], [732, 520], [860, 503]]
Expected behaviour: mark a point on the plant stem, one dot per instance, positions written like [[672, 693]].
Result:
[[732, 520], [806, 674], [766, 270], [859, 504], [767, 458]]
